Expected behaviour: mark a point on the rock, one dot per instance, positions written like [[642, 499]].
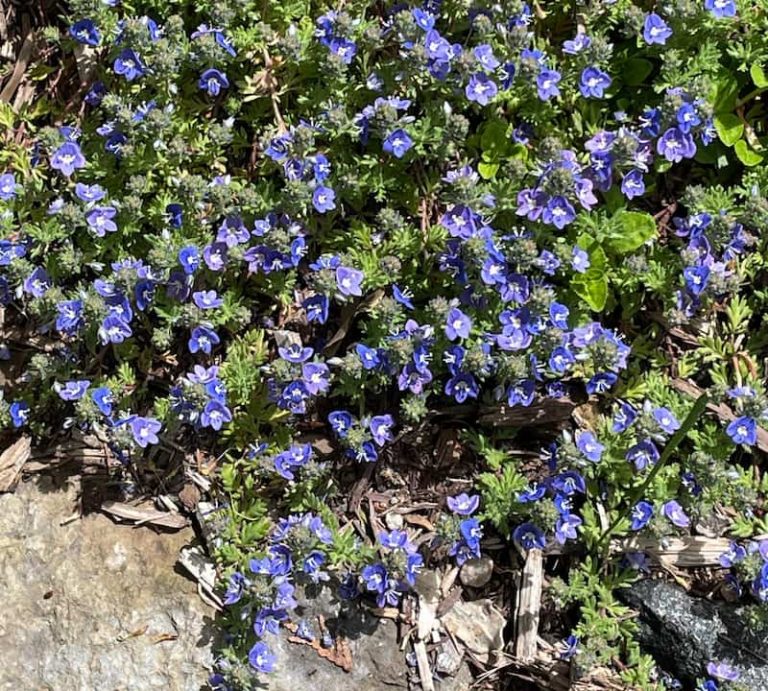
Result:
[[94, 605], [684, 633], [475, 573], [479, 626], [378, 664]]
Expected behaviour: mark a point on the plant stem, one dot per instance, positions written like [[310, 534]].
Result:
[[698, 408]]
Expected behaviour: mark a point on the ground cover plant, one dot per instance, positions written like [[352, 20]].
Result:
[[488, 255]]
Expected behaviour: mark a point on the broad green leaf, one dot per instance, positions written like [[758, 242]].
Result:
[[629, 230], [724, 93], [758, 75], [729, 128], [592, 288], [487, 170], [746, 155], [494, 140], [635, 71]]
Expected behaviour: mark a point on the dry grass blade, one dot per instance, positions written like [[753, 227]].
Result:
[[425, 671], [139, 515]]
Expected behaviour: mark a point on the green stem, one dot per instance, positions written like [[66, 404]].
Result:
[[752, 94], [698, 408]]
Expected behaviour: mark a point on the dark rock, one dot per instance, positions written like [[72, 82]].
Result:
[[684, 633]]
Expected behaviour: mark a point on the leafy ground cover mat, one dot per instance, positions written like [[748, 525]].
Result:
[[383, 295]]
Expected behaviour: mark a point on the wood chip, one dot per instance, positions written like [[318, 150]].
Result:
[[547, 411], [11, 462], [425, 671], [139, 515], [528, 605], [682, 552]]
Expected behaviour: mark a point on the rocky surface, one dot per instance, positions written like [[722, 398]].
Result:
[[684, 633], [94, 605]]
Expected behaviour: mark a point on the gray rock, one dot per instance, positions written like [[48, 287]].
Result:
[[378, 664], [93, 605], [684, 633], [476, 573]]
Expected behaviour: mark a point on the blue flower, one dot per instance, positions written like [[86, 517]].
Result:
[[104, 400], [601, 382], [261, 658], [696, 279], [674, 513], [145, 430], [743, 430], [723, 671], [316, 377], [481, 89], [569, 482], [68, 158], [642, 512], [578, 44], [72, 390], [344, 49], [666, 420], [565, 528], [114, 330], [721, 9], [594, 82], [37, 283], [19, 411], [70, 316], [323, 199], [175, 215], [381, 428], [529, 536], [207, 299], [675, 145], [546, 84], [559, 212], [189, 258], [655, 29], [589, 446], [8, 187], [213, 81], [89, 193], [458, 324], [397, 143], [295, 353], [100, 221], [463, 504], [632, 184], [202, 340], [643, 454], [316, 308], [129, 65], [579, 260], [85, 31], [341, 422], [349, 281], [461, 386], [687, 117], [215, 414], [369, 357]]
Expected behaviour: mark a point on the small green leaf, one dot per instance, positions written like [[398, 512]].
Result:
[[636, 70], [725, 93], [746, 155], [629, 230], [487, 170], [729, 128], [758, 75]]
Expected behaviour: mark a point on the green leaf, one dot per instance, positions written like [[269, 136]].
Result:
[[487, 170], [758, 75], [592, 287], [725, 93], [729, 128], [629, 230], [494, 141], [636, 70], [746, 155]]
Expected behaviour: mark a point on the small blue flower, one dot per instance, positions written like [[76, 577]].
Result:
[[643, 454], [215, 414], [589, 446], [546, 84], [722, 9], [481, 89], [261, 658], [202, 340], [72, 390], [579, 260], [743, 430], [463, 504], [104, 400], [8, 187], [666, 420], [594, 82], [675, 514], [529, 536], [656, 30], [100, 220], [381, 428], [129, 65], [457, 324], [696, 279], [19, 411], [213, 81], [642, 512], [85, 31], [349, 281], [397, 143], [145, 431], [68, 158], [323, 199]]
